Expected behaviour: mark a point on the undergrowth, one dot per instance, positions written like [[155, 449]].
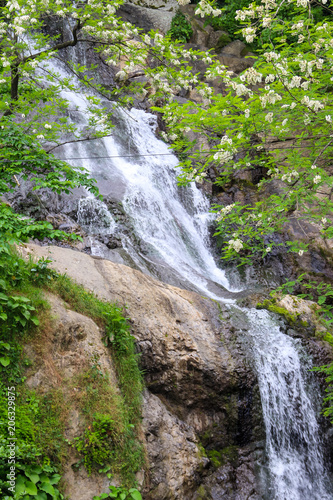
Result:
[[109, 440]]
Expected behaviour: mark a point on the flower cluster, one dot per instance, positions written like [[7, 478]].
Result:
[[223, 212], [236, 245]]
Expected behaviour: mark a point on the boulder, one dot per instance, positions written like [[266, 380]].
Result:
[[147, 18]]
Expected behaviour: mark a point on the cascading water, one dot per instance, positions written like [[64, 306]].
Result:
[[173, 224], [296, 462]]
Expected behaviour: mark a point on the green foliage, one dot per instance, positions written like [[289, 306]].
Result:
[[320, 292], [226, 21], [98, 442], [327, 370], [34, 474], [120, 493], [109, 442], [35, 482], [181, 29], [22, 157], [273, 122]]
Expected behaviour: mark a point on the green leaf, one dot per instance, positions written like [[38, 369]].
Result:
[[30, 488], [55, 479], [19, 486], [5, 361], [47, 487], [33, 477], [136, 495], [44, 478], [41, 496], [35, 320]]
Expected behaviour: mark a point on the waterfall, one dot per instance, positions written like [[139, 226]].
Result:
[[296, 462], [136, 168]]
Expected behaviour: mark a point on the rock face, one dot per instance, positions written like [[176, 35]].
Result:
[[201, 396]]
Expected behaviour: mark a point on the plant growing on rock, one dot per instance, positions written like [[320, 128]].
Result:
[[181, 29]]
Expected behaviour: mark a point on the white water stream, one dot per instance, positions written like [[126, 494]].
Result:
[[173, 223]]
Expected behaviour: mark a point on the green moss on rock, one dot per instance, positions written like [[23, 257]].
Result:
[[222, 42], [270, 306]]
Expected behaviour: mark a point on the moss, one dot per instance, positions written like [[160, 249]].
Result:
[[215, 457], [230, 455], [222, 42], [270, 306], [202, 493], [329, 338], [202, 452], [245, 51]]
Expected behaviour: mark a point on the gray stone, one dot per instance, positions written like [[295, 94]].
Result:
[[146, 18], [234, 48]]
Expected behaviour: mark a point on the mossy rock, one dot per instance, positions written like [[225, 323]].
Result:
[[222, 42], [202, 493], [328, 337], [270, 306], [228, 455], [245, 51]]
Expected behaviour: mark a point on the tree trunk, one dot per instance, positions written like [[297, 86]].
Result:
[[14, 81]]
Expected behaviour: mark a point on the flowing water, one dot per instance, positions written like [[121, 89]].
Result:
[[136, 168]]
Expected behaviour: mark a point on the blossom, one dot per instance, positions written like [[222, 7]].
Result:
[[121, 75], [324, 220], [268, 249], [300, 252], [317, 179], [40, 136], [224, 211], [269, 117], [328, 118], [47, 126], [236, 244]]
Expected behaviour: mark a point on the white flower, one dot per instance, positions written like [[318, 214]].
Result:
[[324, 220], [268, 249], [224, 211], [313, 166], [237, 244], [47, 126], [328, 118], [317, 179], [40, 136], [301, 252], [269, 117], [121, 75]]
